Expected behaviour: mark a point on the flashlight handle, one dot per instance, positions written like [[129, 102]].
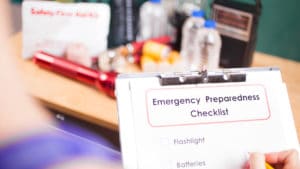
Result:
[[104, 81]]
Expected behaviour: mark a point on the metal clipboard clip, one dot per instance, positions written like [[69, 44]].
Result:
[[220, 76], [201, 77]]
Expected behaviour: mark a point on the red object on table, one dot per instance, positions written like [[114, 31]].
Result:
[[137, 46], [104, 81]]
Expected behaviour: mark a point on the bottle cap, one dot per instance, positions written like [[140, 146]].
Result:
[[210, 24], [198, 13], [155, 1]]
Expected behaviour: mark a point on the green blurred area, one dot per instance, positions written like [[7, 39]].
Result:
[[104, 1], [279, 29]]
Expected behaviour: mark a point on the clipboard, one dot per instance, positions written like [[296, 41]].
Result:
[[208, 119]]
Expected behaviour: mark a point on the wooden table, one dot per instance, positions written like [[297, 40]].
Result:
[[87, 103]]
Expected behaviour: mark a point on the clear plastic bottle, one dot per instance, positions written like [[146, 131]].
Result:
[[190, 49], [210, 45], [153, 20], [178, 13]]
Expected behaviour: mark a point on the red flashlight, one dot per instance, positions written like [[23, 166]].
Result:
[[104, 81]]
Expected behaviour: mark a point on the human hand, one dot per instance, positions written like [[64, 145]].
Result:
[[288, 159]]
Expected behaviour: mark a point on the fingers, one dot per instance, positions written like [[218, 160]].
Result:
[[289, 159], [257, 161]]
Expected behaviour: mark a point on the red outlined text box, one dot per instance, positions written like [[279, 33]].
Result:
[[238, 111]]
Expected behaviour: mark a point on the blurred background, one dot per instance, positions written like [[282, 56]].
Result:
[[278, 31]]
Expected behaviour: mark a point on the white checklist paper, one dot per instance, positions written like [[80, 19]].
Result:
[[211, 126]]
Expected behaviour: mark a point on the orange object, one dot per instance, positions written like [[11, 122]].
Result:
[[173, 57], [156, 51]]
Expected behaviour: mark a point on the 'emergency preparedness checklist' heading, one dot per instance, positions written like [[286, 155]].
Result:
[[168, 107]]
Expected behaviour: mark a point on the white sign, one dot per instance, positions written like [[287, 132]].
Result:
[[52, 26]]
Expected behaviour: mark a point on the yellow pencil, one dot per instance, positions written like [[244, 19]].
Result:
[[268, 166]]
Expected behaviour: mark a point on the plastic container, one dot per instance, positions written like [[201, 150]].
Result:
[[153, 20], [190, 49], [182, 10], [209, 40]]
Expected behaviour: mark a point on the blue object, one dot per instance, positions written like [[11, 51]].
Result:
[[155, 1], [198, 13], [70, 128], [210, 24], [47, 149]]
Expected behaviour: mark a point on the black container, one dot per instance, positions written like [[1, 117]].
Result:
[[237, 23], [123, 25], [177, 20]]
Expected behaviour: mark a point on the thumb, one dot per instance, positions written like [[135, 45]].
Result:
[[257, 161]]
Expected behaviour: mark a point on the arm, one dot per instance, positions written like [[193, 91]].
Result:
[[19, 113], [24, 125]]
